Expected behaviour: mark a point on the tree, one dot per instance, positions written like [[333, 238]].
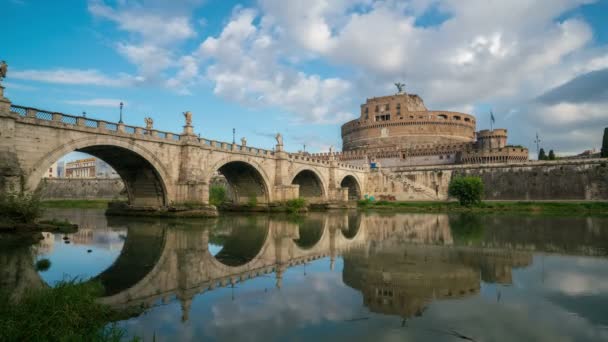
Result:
[[551, 155], [605, 144], [542, 155], [468, 190]]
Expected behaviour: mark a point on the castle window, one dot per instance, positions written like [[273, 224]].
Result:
[[467, 119], [366, 110], [442, 116], [387, 107], [398, 105], [386, 117], [456, 117], [377, 108]]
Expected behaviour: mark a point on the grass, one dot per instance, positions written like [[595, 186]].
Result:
[[494, 206], [79, 204], [67, 312]]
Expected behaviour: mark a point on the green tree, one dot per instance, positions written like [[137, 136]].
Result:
[[542, 155], [468, 190], [551, 155], [605, 144], [217, 195]]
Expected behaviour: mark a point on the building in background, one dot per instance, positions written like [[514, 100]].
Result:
[[398, 130], [89, 168], [52, 172]]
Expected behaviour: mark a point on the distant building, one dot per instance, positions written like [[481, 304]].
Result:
[[52, 171], [89, 168]]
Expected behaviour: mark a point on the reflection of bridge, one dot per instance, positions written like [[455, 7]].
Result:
[[184, 267], [399, 262], [160, 168]]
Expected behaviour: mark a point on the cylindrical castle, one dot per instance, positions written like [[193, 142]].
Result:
[[402, 121]]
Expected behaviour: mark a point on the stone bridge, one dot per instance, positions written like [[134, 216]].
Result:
[[161, 168]]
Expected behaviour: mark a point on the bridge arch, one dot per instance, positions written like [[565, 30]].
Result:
[[247, 179], [353, 185], [144, 175], [312, 185]]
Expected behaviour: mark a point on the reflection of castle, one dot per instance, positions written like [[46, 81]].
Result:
[[398, 130], [403, 281], [411, 260]]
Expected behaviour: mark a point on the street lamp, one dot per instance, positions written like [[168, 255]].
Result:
[[121, 105], [233, 136]]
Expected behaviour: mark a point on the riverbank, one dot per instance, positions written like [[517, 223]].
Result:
[[551, 207], [77, 204], [69, 311]]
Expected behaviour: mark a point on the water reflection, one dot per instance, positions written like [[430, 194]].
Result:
[[419, 276]]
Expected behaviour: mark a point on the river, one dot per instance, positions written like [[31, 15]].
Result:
[[337, 275]]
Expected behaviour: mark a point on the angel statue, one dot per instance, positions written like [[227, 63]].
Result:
[[3, 70], [149, 123], [188, 116], [400, 87], [331, 149], [243, 141], [279, 138]]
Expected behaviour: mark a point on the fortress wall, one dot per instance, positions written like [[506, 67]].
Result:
[[548, 180], [75, 188]]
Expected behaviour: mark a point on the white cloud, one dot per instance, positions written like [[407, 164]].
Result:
[[75, 76], [473, 57], [99, 102], [245, 67], [157, 29]]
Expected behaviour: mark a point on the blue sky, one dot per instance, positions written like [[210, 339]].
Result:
[[303, 67]]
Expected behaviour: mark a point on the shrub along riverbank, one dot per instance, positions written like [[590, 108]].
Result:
[[67, 312], [573, 207]]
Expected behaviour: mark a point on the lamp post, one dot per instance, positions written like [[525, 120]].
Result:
[[233, 136], [121, 105], [537, 141]]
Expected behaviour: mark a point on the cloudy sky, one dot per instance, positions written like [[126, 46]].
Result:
[[304, 67]]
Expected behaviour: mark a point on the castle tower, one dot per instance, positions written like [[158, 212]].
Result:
[[487, 139]]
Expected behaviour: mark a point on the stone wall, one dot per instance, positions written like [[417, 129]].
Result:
[[548, 180], [73, 188]]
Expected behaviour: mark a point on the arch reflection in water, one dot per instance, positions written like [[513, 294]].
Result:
[[251, 246], [398, 263]]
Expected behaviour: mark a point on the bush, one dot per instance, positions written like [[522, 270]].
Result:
[[295, 205], [468, 190], [20, 207], [217, 195], [253, 200]]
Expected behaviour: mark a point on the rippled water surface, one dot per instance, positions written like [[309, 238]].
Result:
[[338, 276]]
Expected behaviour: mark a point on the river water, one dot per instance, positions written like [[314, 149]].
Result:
[[337, 275]]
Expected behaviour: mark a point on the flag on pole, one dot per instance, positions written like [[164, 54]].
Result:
[[492, 117]]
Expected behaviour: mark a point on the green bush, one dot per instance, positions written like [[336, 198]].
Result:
[[295, 205], [253, 200], [20, 207], [468, 190], [67, 312], [217, 195]]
